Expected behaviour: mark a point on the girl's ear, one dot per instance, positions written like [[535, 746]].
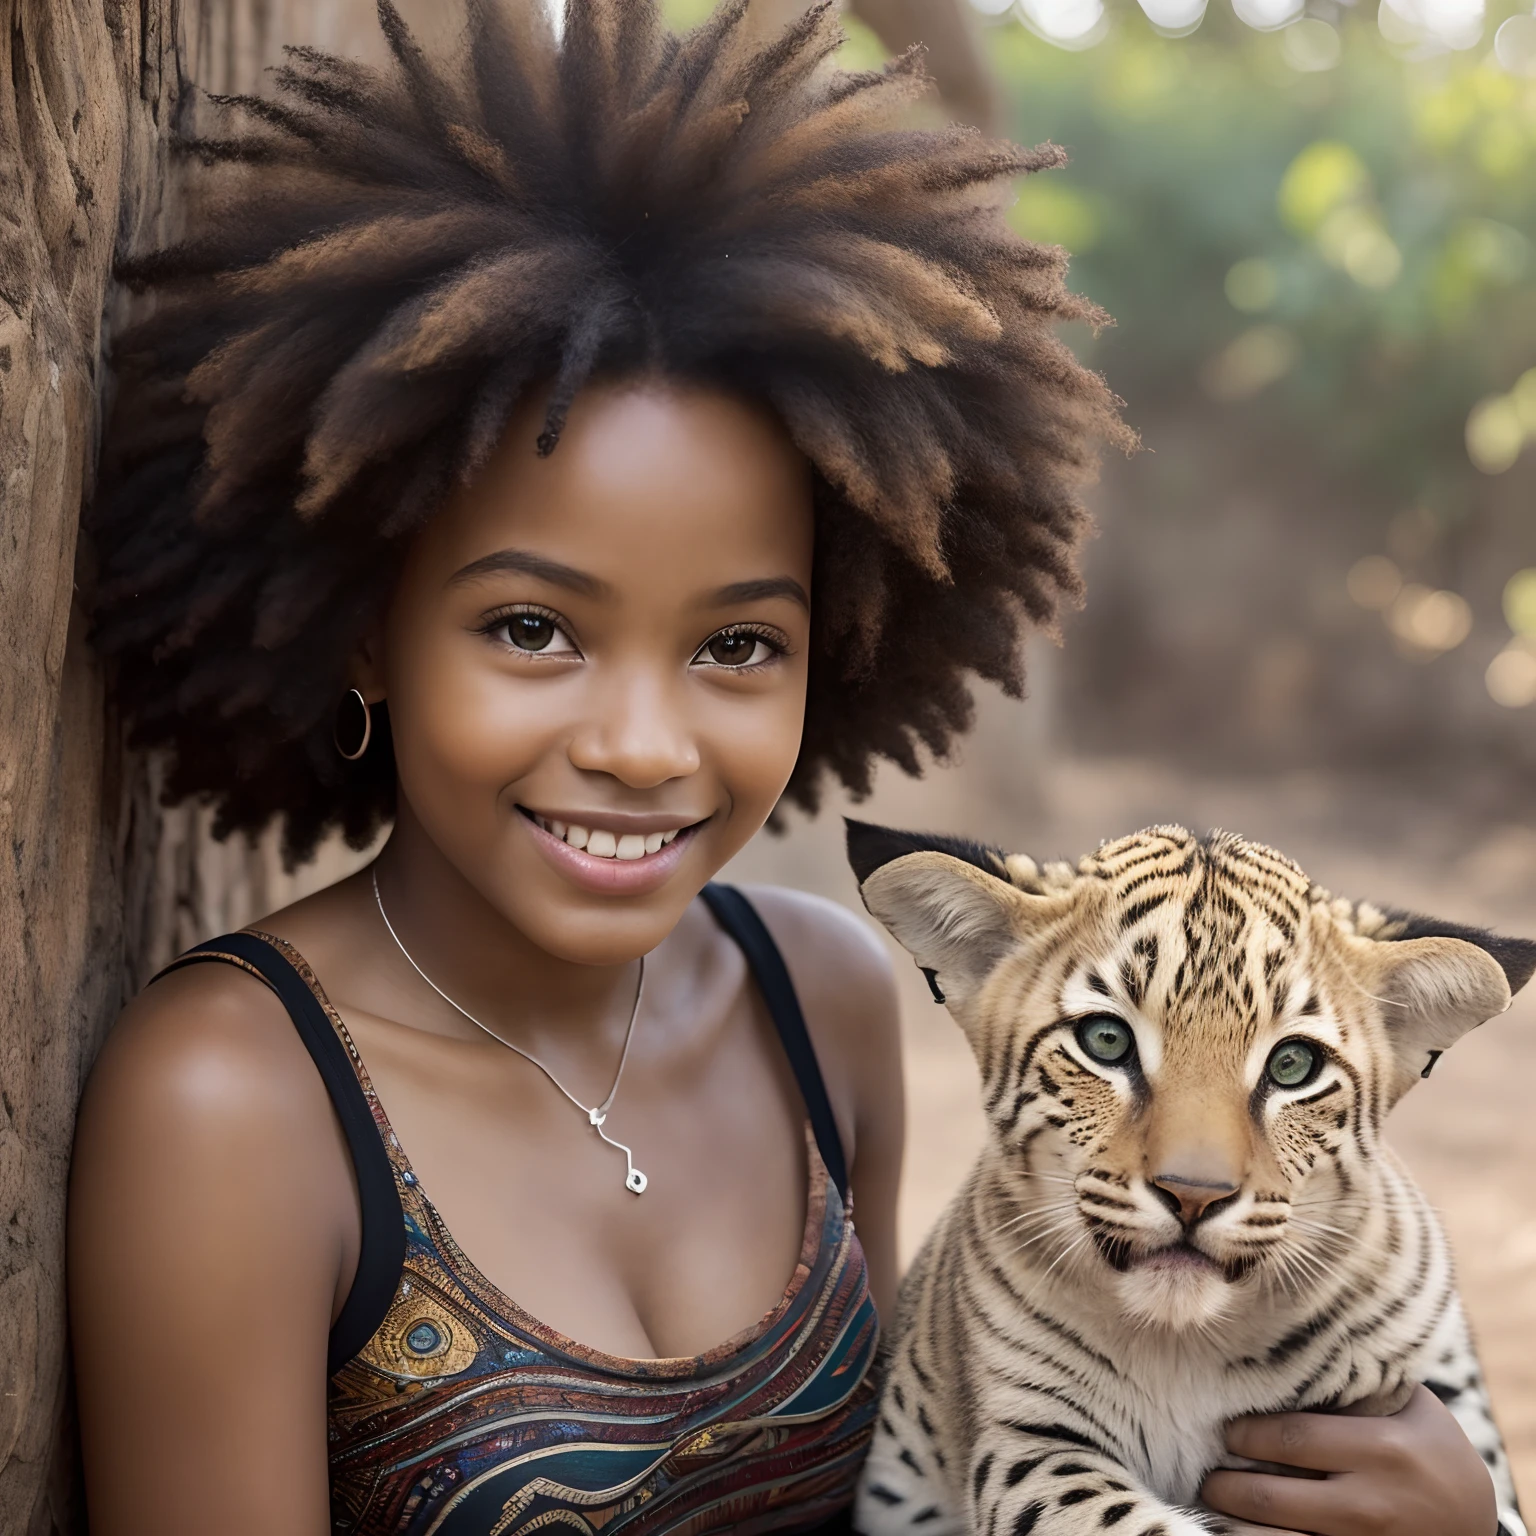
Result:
[[946, 901], [365, 668], [1436, 981]]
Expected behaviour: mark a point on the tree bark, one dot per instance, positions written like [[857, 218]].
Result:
[[86, 93], [98, 884]]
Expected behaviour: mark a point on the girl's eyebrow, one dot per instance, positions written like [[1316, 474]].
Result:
[[524, 563], [768, 586], [521, 561]]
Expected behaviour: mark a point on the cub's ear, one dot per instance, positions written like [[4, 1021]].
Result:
[[870, 847], [1516, 957], [946, 901], [1438, 981]]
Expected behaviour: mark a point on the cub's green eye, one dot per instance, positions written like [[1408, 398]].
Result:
[[1106, 1038], [531, 631], [1292, 1063]]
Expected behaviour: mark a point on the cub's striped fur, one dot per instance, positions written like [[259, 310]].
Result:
[[1184, 1211]]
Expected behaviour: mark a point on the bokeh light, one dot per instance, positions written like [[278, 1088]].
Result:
[[1424, 27], [1523, 394], [1414, 29], [1374, 582], [1268, 15], [1514, 45], [1311, 45], [1324, 176], [1429, 621], [1496, 432], [1352, 238], [1511, 675], [1520, 603], [1174, 18], [1425, 621], [1066, 23], [1259, 357]]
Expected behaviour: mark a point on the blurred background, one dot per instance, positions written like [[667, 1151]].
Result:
[[1312, 600]]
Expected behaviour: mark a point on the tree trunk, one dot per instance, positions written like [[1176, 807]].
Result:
[[98, 884], [85, 98]]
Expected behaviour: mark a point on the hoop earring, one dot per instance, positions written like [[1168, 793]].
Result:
[[362, 746]]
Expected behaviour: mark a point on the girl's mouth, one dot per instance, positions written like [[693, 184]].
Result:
[[600, 843], [609, 861]]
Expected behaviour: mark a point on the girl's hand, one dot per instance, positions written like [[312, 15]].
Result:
[[1413, 1474]]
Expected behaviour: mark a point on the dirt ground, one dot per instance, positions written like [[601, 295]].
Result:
[[1469, 1134]]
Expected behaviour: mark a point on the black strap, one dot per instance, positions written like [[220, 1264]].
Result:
[[381, 1256], [740, 920]]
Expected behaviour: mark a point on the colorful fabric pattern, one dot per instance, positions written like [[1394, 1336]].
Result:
[[464, 1416]]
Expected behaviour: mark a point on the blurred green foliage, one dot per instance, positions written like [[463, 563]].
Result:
[[1353, 248]]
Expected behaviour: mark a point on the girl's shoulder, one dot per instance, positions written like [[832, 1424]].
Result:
[[204, 1072], [207, 1041], [211, 1221]]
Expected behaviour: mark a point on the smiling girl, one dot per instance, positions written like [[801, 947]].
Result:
[[560, 454]]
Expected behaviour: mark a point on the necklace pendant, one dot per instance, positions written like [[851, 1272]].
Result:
[[634, 1180]]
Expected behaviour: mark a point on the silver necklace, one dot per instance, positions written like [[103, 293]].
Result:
[[634, 1180]]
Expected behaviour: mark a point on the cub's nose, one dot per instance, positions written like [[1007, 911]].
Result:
[[1191, 1198]]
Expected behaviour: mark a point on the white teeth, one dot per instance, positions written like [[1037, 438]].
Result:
[[607, 845]]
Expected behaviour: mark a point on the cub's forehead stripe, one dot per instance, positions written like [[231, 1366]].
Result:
[[1134, 913]]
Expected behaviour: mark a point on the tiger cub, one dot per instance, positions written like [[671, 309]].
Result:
[[1184, 1211]]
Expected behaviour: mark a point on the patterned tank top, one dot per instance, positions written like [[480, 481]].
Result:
[[454, 1413]]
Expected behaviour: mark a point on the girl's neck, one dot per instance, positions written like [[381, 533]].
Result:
[[479, 959]]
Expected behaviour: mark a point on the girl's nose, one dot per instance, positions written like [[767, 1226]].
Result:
[[638, 732]]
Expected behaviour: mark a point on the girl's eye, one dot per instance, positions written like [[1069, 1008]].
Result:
[[535, 632], [736, 648], [1106, 1038], [1293, 1063], [531, 631]]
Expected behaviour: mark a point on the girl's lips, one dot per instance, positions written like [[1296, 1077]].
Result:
[[612, 877]]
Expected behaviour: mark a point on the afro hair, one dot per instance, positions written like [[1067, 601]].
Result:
[[378, 265]]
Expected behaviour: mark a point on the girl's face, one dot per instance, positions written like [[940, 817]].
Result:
[[595, 663]]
